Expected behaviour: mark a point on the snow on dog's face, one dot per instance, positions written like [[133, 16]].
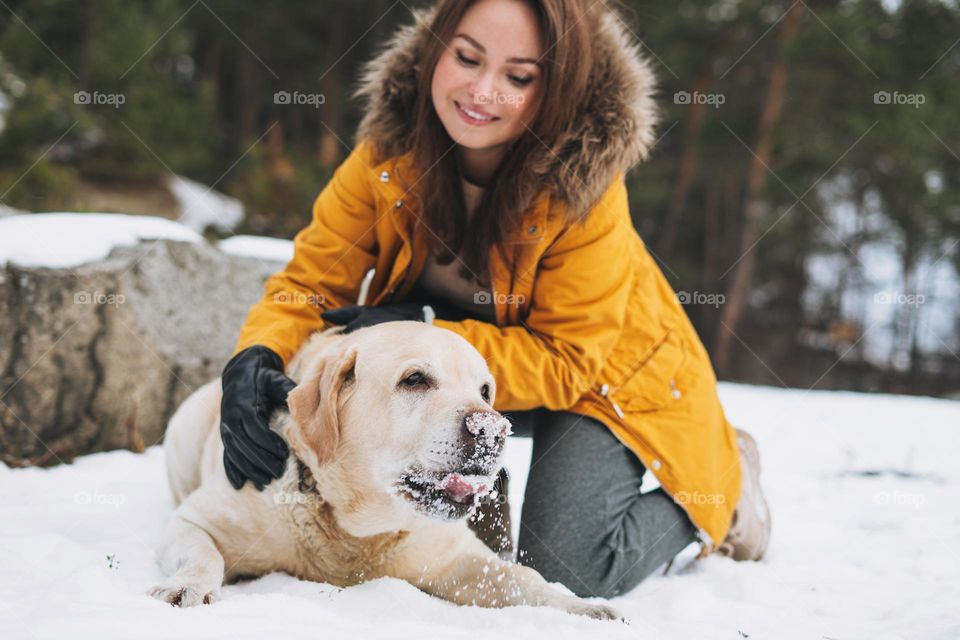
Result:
[[397, 422]]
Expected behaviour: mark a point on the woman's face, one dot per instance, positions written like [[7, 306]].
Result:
[[486, 84]]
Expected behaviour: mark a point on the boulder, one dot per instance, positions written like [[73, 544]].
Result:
[[98, 356]]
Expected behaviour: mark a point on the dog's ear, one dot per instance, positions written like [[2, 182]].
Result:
[[314, 402]]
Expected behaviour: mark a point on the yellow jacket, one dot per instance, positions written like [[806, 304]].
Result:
[[586, 323]]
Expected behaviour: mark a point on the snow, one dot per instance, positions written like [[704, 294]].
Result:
[[59, 240], [10, 211], [272, 249], [202, 207], [866, 517]]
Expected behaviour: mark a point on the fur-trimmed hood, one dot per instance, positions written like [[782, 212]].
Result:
[[613, 133]]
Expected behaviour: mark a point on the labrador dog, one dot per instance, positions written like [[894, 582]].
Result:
[[393, 442]]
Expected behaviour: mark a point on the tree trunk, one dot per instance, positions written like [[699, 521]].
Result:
[[329, 148], [690, 157], [738, 290]]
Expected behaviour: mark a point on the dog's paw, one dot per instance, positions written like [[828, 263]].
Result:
[[180, 594], [595, 611]]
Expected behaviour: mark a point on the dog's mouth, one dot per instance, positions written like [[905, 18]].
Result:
[[447, 495]]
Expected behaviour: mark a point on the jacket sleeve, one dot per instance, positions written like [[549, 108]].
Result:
[[330, 257], [576, 315]]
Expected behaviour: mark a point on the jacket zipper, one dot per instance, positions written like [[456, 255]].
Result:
[[604, 390]]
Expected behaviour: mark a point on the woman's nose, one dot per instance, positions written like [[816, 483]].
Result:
[[482, 89]]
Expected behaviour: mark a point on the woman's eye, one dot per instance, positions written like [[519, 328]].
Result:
[[464, 60], [415, 379], [521, 82], [485, 392]]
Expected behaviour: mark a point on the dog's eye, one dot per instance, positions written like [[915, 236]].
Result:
[[485, 392], [415, 379]]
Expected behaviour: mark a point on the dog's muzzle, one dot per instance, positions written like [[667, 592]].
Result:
[[451, 494]]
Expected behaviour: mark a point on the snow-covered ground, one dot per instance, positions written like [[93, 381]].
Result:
[[866, 520]]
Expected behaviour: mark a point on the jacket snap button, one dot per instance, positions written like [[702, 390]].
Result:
[[604, 389], [655, 465], [676, 393], [532, 229], [399, 203], [385, 176]]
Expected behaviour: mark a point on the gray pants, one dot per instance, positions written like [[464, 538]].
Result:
[[584, 522]]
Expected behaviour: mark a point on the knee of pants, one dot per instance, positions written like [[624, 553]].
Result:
[[602, 568], [588, 570]]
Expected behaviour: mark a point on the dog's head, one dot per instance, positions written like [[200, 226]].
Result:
[[397, 419]]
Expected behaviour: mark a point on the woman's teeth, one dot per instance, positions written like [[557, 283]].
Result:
[[475, 115]]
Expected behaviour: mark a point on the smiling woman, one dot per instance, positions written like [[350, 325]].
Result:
[[508, 76], [487, 188], [486, 95]]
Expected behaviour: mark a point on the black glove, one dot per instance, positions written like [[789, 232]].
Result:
[[254, 385], [364, 316]]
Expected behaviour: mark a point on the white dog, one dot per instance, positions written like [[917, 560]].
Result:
[[393, 440]]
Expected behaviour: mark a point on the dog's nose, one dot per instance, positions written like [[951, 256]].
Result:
[[487, 425]]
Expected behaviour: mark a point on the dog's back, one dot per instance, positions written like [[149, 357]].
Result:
[[186, 436]]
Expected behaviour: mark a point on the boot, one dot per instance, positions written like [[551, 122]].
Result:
[[491, 520], [750, 529]]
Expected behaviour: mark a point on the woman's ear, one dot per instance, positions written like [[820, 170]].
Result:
[[313, 403]]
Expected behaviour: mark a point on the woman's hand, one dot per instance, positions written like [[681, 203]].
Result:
[[254, 385], [365, 316]]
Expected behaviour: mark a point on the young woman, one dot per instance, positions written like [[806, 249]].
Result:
[[486, 192]]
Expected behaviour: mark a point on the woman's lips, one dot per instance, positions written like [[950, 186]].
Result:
[[471, 120]]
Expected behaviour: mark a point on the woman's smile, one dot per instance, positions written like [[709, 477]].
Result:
[[474, 116]]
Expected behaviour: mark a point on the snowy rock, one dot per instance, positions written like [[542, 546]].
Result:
[[73, 239], [273, 249], [202, 207], [97, 356]]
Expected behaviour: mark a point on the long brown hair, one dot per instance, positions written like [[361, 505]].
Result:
[[566, 29]]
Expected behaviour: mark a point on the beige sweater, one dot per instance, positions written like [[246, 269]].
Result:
[[444, 282]]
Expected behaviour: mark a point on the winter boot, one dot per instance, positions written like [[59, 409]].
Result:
[[750, 529]]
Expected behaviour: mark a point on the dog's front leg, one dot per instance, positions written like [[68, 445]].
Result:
[[484, 580], [189, 556]]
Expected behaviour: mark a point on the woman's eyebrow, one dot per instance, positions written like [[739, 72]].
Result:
[[484, 50]]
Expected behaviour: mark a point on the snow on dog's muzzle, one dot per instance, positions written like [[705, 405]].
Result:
[[489, 427], [452, 492]]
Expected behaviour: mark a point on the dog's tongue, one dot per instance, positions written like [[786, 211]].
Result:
[[461, 487]]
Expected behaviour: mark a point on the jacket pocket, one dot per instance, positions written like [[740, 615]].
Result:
[[658, 381]]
